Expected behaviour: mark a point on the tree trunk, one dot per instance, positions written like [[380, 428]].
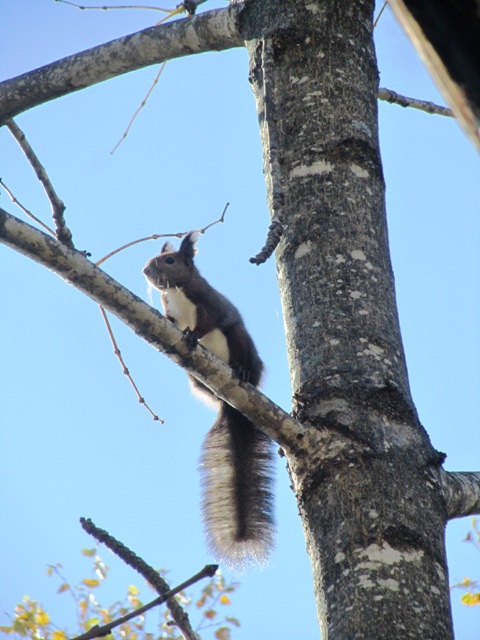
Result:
[[367, 483], [371, 492]]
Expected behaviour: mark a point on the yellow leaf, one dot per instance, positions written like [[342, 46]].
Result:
[[63, 587], [89, 552], [471, 599], [83, 606], [59, 635], [133, 590], [91, 583], [224, 599], [42, 618], [106, 617], [223, 633], [91, 622]]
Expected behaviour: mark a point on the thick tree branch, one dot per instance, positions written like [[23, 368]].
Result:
[[210, 31], [462, 493], [150, 325]]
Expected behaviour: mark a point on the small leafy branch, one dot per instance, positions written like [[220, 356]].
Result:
[[472, 587], [30, 619]]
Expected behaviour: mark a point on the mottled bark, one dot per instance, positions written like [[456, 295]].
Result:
[[371, 492], [209, 31], [149, 325], [364, 494], [462, 493]]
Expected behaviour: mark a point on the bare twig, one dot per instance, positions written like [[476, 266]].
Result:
[[154, 328], [117, 352], [211, 30], [25, 210], [190, 6], [142, 104], [63, 233], [179, 616], [220, 220], [429, 107], [157, 236], [174, 12], [121, 6], [100, 631], [380, 13]]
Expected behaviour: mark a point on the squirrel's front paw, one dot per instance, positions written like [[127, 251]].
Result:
[[190, 339]]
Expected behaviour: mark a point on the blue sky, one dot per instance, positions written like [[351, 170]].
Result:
[[74, 440]]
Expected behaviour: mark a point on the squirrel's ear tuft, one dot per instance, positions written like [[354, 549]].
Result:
[[187, 248], [167, 247]]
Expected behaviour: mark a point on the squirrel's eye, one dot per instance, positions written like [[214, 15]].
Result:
[[170, 260]]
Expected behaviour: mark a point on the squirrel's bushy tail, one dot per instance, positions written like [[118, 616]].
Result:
[[237, 473]]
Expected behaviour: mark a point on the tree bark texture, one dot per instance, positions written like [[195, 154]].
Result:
[[371, 492], [150, 325], [368, 487], [210, 31]]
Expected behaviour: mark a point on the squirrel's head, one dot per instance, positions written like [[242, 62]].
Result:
[[173, 268]]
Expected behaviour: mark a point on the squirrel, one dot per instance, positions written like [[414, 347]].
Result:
[[237, 458]]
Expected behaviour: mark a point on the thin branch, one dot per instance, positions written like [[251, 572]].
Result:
[[26, 211], [118, 6], [97, 631], [142, 104], [151, 326], [462, 493], [116, 349], [210, 31], [179, 616], [190, 6], [179, 9], [455, 69], [380, 13], [157, 236], [63, 233], [429, 107], [219, 221], [117, 352]]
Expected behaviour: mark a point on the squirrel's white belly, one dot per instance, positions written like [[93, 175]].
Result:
[[179, 307], [184, 312], [216, 342]]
